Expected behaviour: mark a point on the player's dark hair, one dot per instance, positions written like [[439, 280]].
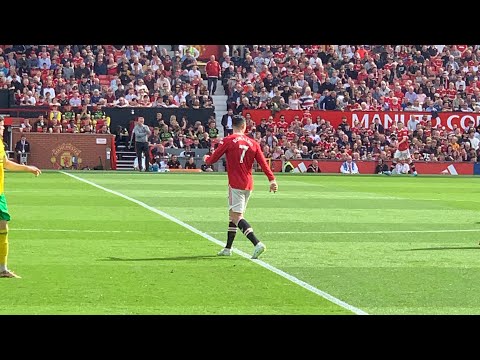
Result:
[[238, 121]]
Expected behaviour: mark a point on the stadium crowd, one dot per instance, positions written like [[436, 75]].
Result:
[[79, 80]]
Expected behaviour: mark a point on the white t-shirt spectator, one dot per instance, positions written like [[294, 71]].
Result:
[[401, 168], [294, 104], [42, 61], [458, 83], [412, 124], [75, 101], [49, 90], [192, 73], [349, 167], [474, 141]]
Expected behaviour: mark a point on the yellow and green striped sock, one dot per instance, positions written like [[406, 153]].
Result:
[[3, 249]]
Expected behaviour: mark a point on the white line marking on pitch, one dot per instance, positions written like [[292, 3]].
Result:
[[221, 243], [87, 231], [362, 232], [75, 230]]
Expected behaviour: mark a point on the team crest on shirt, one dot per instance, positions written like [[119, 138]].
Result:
[[66, 156]]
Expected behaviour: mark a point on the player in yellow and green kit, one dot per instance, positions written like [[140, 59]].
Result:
[[5, 163]]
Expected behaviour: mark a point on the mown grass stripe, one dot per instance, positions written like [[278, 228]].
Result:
[[218, 242]]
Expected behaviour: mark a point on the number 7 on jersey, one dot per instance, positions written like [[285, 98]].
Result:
[[244, 148]]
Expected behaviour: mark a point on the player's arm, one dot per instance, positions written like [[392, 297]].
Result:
[[266, 169], [11, 165], [147, 129], [217, 153]]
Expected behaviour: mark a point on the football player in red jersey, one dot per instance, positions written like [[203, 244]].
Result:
[[241, 152], [402, 152]]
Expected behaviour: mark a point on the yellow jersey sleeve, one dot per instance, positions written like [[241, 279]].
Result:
[[2, 163]]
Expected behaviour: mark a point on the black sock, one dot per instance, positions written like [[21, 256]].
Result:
[[232, 231], [247, 230]]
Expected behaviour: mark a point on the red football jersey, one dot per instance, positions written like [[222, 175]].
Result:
[[400, 135], [241, 152]]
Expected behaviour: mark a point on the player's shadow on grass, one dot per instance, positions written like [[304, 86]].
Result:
[[445, 248], [196, 257]]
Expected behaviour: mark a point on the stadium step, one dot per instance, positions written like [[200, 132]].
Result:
[[219, 91], [125, 160], [220, 103], [169, 49]]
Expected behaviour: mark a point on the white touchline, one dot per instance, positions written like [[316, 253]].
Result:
[[365, 232], [82, 231], [293, 279], [74, 230]]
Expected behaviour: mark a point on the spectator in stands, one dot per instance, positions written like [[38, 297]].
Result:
[[112, 66], [103, 129], [22, 149], [81, 71], [349, 167], [55, 113], [154, 138], [22, 65], [29, 98], [100, 67], [110, 97], [190, 163], [95, 84], [294, 102], [194, 72], [40, 125], [313, 167], [474, 141], [207, 168], [275, 77], [32, 61], [72, 127], [205, 142], [137, 68], [227, 122], [329, 102], [412, 123], [96, 97], [68, 72], [179, 141], [121, 102], [25, 126], [121, 136], [158, 151], [173, 163], [170, 144], [382, 167], [44, 60], [213, 71], [402, 168]]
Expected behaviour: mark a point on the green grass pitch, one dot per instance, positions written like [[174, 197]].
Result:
[[335, 245]]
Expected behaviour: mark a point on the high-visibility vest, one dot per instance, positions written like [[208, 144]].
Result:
[[288, 167]]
